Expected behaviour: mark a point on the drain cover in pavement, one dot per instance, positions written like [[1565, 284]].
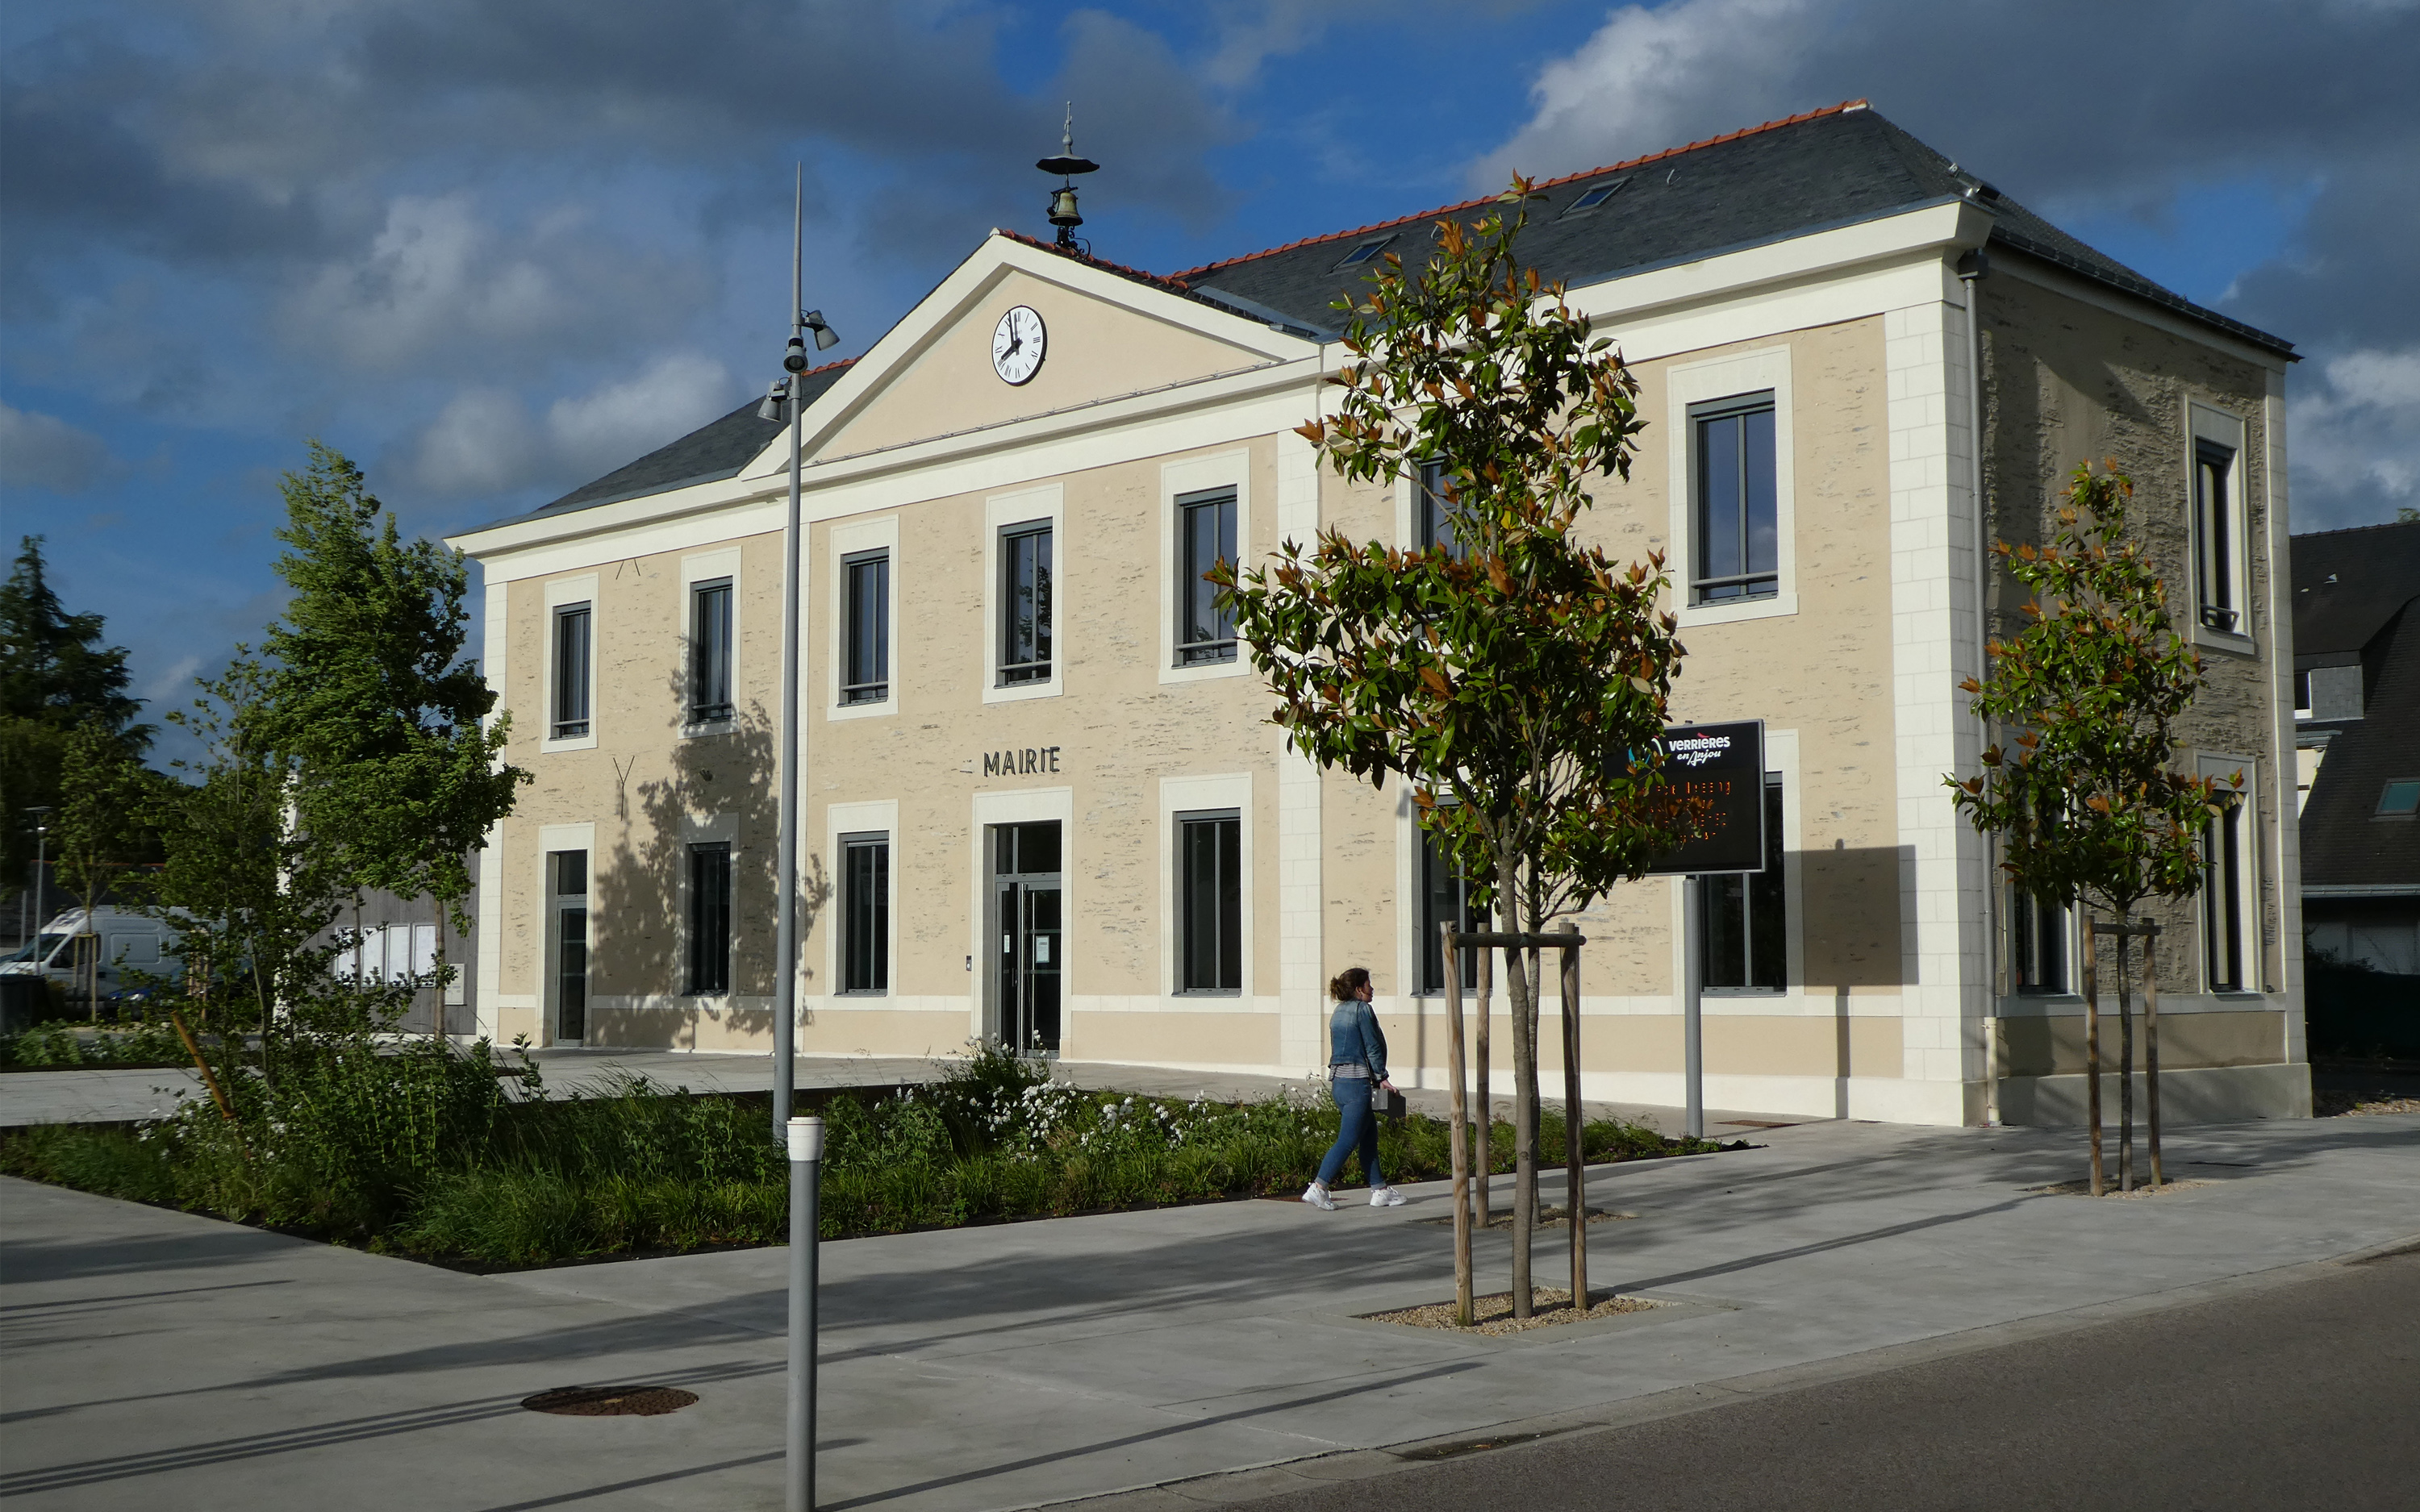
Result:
[[610, 1401]]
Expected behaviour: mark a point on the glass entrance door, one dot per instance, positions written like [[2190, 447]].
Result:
[[1026, 917]]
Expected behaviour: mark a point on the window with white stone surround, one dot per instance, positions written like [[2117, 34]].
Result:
[[2222, 578], [1729, 443]]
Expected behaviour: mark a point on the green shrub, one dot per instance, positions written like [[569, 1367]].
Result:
[[465, 1154]]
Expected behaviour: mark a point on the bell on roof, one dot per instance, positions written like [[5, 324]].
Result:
[[1066, 165]]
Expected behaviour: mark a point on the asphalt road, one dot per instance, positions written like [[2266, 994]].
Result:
[[2306, 1395]]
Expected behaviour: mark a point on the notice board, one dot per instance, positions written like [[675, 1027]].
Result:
[[1725, 763]]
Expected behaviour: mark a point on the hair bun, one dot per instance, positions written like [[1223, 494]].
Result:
[[1348, 985]]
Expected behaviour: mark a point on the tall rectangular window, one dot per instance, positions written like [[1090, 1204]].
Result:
[[2221, 901], [865, 913], [572, 667], [865, 659], [1025, 604], [1444, 895], [1437, 511], [1205, 536], [2037, 943], [1210, 877], [710, 640], [1746, 934], [569, 883], [1738, 549], [709, 919], [2215, 545]]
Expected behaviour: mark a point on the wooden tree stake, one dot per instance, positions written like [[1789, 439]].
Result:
[[2092, 1046], [1457, 1138], [1575, 1171]]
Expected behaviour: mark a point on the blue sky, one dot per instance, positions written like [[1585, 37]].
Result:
[[490, 250]]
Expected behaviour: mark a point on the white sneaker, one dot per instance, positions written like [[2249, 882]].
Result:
[[1317, 1196], [1386, 1197]]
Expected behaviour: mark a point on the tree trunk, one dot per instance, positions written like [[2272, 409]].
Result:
[[2125, 1071]]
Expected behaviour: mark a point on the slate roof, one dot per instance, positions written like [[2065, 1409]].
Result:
[[1767, 184], [2348, 584], [2345, 842], [1793, 177]]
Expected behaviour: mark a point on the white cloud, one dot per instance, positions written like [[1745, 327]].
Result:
[[485, 441], [1653, 79], [612, 425], [2353, 438], [38, 450]]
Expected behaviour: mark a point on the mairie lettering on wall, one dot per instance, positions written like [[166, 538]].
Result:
[[1030, 761]]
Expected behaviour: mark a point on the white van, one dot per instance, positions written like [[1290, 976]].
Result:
[[136, 941]]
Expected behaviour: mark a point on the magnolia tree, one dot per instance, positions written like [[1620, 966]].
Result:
[[1509, 679], [2088, 807]]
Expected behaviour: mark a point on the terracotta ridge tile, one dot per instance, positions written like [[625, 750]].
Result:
[[1161, 280]]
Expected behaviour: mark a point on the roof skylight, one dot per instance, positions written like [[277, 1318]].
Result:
[[1595, 197], [1365, 252]]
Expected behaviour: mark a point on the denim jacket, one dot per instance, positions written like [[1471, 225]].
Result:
[[1354, 1038]]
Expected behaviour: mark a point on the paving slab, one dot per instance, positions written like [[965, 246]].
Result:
[[154, 1354]]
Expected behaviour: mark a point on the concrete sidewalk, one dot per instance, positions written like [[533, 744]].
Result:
[[153, 1353]]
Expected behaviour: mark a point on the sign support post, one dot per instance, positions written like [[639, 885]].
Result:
[[1724, 764]]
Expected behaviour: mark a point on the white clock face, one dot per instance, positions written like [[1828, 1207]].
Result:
[[1016, 346]]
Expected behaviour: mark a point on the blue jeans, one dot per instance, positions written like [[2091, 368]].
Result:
[[1360, 1127]]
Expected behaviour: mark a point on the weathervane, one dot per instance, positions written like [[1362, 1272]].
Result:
[[1066, 165]]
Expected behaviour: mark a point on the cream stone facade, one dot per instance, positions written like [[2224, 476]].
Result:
[[1897, 1000]]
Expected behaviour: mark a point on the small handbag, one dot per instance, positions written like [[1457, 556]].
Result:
[[1386, 1100]]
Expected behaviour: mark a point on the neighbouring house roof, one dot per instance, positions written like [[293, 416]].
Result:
[[1766, 183], [2348, 584], [2345, 842], [1826, 168]]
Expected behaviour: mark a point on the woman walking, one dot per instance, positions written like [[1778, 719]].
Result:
[[1356, 1062]]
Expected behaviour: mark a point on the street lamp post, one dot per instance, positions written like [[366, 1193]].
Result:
[[42, 868], [787, 401], [802, 1138]]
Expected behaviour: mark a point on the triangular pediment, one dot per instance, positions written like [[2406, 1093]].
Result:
[[1105, 335]]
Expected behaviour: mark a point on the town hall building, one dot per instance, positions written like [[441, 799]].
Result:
[[1043, 801]]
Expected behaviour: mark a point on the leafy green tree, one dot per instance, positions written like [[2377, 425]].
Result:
[[396, 777], [56, 675], [101, 827], [252, 898], [2087, 807], [1511, 679]]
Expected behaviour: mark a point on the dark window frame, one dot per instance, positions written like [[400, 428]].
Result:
[[1754, 580], [1433, 527], [2226, 956], [865, 668], [573, 713], [1442, 885], [1197, 606], [2217, 543], [2038, 953], [1210, 902], [709, 918], [1036, 664], [865, 914], [710, 606], [2386, 793], [1762, 902]]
